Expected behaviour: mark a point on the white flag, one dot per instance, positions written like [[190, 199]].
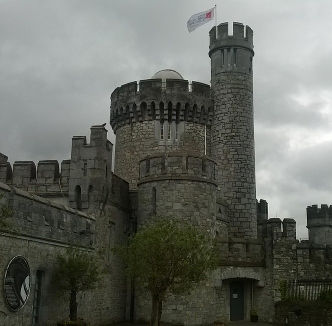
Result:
[[200, 19]]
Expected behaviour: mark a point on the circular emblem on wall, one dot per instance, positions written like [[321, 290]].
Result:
[[17, 283]]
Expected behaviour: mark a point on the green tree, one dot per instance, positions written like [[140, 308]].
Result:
[[168, 257], [76, 271]]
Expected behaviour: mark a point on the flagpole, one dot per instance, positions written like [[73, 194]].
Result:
[[215, 19]]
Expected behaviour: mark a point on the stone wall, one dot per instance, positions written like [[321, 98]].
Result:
[[40, 230], [38, 217]]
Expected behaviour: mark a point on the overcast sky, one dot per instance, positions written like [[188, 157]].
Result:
[[61, 59]]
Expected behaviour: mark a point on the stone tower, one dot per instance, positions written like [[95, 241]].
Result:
[[232, 131], [157, 116], [319, 224]]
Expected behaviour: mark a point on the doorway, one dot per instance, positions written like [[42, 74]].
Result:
[[236, 300]]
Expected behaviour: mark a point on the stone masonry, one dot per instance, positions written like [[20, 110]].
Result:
[[232, 141], [183, 151]]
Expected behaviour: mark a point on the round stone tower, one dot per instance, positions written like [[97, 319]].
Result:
[[178, 186], [159, 115], [232, 131]]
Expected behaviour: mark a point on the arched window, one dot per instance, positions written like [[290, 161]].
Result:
[[78, 197]]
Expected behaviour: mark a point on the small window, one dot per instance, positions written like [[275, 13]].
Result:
[[161, 131], [169, 136], [153, 111], [90, 196], [78, 199], [85, 169], [154, 200], [222, 57], [37, 297], [176, 131]]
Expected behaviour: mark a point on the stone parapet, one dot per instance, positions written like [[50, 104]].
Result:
[[317, 216], [242, 36], [241, 253], [281, 229], [177, 166], [154, 99], [319, 223], [46, 178]]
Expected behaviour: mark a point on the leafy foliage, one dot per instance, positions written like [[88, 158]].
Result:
[[76, 271], [168, 257]]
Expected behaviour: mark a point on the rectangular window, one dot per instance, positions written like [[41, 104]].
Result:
[[169, 131], [161, 131], [37, 298], [235, 56], [176, 131], [85, 169]]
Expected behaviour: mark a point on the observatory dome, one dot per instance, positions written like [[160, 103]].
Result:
[[167, 74]]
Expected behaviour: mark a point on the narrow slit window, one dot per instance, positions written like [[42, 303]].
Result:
[[235, 56], [154, 200], [78, 199], [176, 132], [161, 131], [169, 131], [37, 297], [85, 169]]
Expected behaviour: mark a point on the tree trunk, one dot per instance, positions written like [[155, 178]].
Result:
[[73, 306], [156, 310]]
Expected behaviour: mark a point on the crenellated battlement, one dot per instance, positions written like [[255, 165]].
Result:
[[46, 177], [319, 223], [241, 253], [177, 166], [242, 36], [313, 255], [46, 220], [319, 215], [281, 229], [231, 53], [155, 99]]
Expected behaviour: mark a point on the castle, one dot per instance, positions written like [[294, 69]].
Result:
[[183, 150]]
